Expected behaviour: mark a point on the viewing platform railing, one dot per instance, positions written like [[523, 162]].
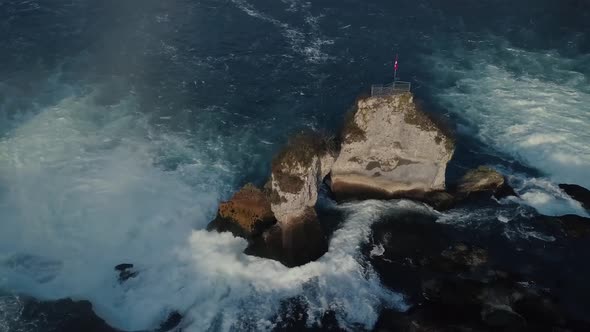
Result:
[[390, 89]]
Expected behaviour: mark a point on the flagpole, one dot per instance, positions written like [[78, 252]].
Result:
[[395, 69]]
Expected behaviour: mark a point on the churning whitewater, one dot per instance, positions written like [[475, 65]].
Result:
[[123, 125]]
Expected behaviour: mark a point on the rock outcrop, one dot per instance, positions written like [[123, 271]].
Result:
[[247, 214], [483, 180], [280, 221], [571, 225], [125, 271], [297, 173], [391, 149], [578, 193]]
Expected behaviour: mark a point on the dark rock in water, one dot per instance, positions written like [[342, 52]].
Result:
[[456, 286], [248, 213], [578, 193], [174, 318], [57, 316], [502, 316], [403, 246], [456, 304], [452, 291], [123, 266], [571, 225], [505, 191], [300, 241], [460, 257], [539, 309], [125, 271], [293, 317], [483, 182]]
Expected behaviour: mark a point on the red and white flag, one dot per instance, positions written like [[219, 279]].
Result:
[[395, 64]]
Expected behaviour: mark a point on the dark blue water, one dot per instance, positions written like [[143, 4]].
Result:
[[123, 123]]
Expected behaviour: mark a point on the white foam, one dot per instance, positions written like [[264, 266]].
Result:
[[545, 196], [82, 192], [540, 116], [306, 39]]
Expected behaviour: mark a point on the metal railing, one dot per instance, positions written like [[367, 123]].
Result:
[[391, 88]]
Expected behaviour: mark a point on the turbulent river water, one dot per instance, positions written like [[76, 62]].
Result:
[[124, 123]]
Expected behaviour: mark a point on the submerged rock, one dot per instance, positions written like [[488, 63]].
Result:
[[578, 193], [63, 315], [571, 225], [174, 318], [461, 257], [248, 213], [125, 271], [502, 316], [391, 149]]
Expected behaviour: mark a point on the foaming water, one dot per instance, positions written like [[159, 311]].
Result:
[[545, 196], [533, 105], [84, 190]]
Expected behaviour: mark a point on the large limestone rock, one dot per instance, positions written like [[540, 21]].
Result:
[[391, 149], [289, 198], [246, 214]]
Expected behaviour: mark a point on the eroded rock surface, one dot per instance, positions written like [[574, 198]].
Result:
[[248, 213], [298, 242], [297, 173], [391, 149]]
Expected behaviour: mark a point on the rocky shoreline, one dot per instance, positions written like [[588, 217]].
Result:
[[388, 148]]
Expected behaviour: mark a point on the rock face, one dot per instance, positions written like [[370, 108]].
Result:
[[248, 213], [578, 193], [484, 180], [391, 149], [571, 225], [300, 241], [297, 173], [280, 222]]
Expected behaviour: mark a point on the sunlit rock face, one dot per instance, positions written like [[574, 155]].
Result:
[[246, 214], [391, 149]]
